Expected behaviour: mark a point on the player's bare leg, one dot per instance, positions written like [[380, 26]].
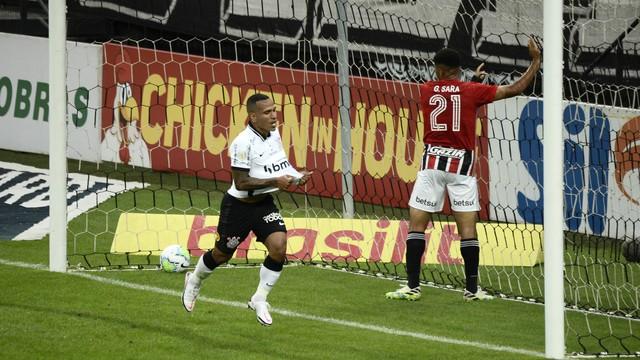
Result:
[[270, 271]]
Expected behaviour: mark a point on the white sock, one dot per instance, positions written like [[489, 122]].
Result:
[[268, 279], [201, 272]]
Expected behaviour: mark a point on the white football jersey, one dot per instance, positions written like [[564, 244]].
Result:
[[263, 157]]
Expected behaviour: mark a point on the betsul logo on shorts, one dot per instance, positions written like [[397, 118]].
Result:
[[425, 202], [464, 202], [274, 216]]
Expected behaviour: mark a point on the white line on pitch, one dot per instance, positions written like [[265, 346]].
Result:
[[346, 323]]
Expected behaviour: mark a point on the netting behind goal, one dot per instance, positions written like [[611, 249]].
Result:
[[171, 107]]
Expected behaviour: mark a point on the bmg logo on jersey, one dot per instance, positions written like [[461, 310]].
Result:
[[273, 168], [274, 216]]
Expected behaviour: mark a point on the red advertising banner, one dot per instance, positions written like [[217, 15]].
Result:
[[183, 111]]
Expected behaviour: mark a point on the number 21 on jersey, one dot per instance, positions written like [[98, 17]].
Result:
[[438, 123]]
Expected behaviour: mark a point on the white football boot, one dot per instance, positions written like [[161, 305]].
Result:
[[479, 295], [190, 292], [262, 311]]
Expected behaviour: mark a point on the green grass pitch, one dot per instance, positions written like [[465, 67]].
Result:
[[318, 314]]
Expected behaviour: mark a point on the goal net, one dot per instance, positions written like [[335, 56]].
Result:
[[171, 107]]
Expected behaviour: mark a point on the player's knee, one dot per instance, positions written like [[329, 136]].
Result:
[[418, 225], [277, 246], [278, 253], [221, 257], [418, 221], [467, 232]]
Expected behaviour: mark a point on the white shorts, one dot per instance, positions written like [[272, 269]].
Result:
[[428, 191]]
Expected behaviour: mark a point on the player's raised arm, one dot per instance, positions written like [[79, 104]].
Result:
[[516, 88]]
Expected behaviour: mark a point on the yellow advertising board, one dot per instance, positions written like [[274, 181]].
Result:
[[330, 239]]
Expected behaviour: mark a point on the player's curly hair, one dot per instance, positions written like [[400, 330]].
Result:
[[448, 57]]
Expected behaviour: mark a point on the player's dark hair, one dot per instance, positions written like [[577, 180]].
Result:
[[448, 57], [253, 99]]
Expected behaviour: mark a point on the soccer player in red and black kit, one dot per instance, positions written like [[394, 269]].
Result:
[[449, 108]]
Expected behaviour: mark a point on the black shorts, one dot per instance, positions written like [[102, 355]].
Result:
[[238, 218]]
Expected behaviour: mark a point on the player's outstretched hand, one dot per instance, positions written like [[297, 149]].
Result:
[[284, 181], [306, 175], [535, 47], [479, 74]]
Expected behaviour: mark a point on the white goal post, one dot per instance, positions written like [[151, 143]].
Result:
[[58, 136], [553, 182]]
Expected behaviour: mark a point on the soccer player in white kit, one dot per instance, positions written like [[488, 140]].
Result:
[[259, 167]]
